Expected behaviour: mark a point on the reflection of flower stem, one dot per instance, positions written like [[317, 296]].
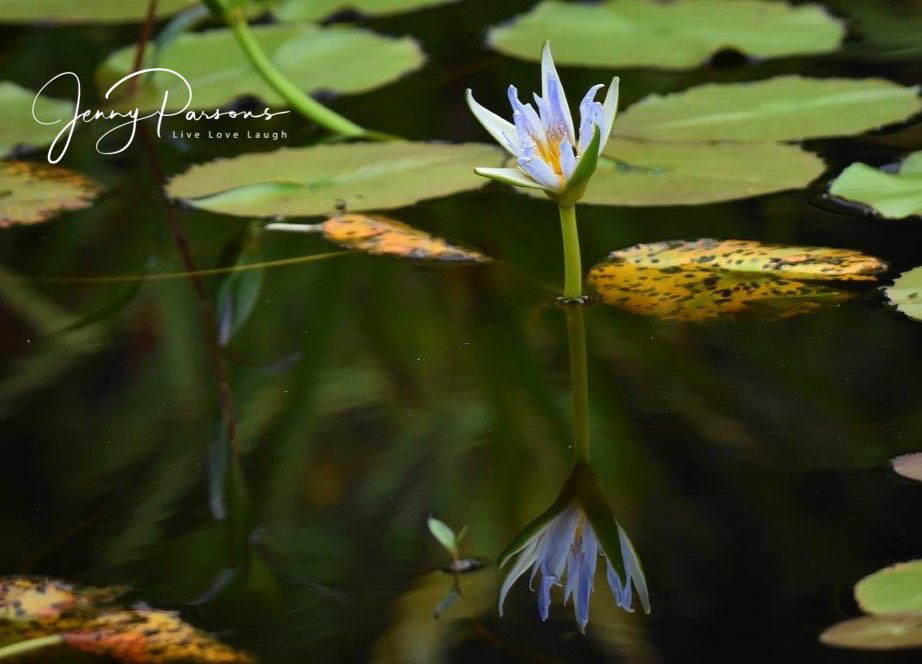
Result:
[[298, 100], [141, 46], [573, 269], [23, 647], [576, 333]]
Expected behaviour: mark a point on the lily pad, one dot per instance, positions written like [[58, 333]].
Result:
[[814, 263], [315, 58], [906, 293], [31, 193], [891, 195], [696, 294], [876, 633], [380, 236], [89, 619], [150, 636], [19, 128], [640, 173], [320, 179], [784, 108], [703, 279], [674, 35], [893, 590], [37, 606], [313, 10], [84, 11], [908, 465]]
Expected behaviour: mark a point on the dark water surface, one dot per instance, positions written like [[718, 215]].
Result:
[[748, 459]]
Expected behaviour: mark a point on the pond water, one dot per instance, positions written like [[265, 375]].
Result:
[[748, 459]]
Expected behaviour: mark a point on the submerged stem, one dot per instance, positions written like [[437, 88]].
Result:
[[23, 647], [579, 375], [573, 269], [301, 102]]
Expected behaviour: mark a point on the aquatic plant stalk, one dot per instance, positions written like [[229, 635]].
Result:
[[579, 376], [298, 99], [23, 647], [572, 263]]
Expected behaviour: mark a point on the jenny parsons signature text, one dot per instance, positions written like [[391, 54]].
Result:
[[122, 135]]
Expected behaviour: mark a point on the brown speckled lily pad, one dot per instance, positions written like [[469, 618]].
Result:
[[703, 279], [374, 234], [31, 193]]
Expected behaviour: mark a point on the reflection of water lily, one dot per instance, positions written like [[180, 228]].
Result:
[[549, 155], [563, 544]]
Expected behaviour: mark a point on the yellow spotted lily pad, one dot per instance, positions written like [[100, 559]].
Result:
[[36, 606], [56, 612], [380, 236], [749, 256], [705, 279], [906, 293], [31, 193], [150, 636]]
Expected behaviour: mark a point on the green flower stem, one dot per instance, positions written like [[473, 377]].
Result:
[[573, 268], [579, 375], [23, 647], [301, 102]]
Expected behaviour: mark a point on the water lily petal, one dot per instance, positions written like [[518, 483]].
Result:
[[553, 93], [525, 560], [541, 171], [621, 592], [552, 555], [527, 123], [633, 570], [544, 597], [513, 176], [567, 158], [590, 115], [570, 585], [609, 110], [585, 572], [494, 124]]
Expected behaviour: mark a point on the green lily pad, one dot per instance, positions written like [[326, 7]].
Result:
[[334, 59], [318, 180], [891, 195], [313, 10], [32, 193], [876, 633], [784, 108], [84, 11], [893, 590], [19, 128], [906, 293], [642, 173], [670, 35]]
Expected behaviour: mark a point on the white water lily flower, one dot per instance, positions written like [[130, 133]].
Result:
[[548, 153]]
